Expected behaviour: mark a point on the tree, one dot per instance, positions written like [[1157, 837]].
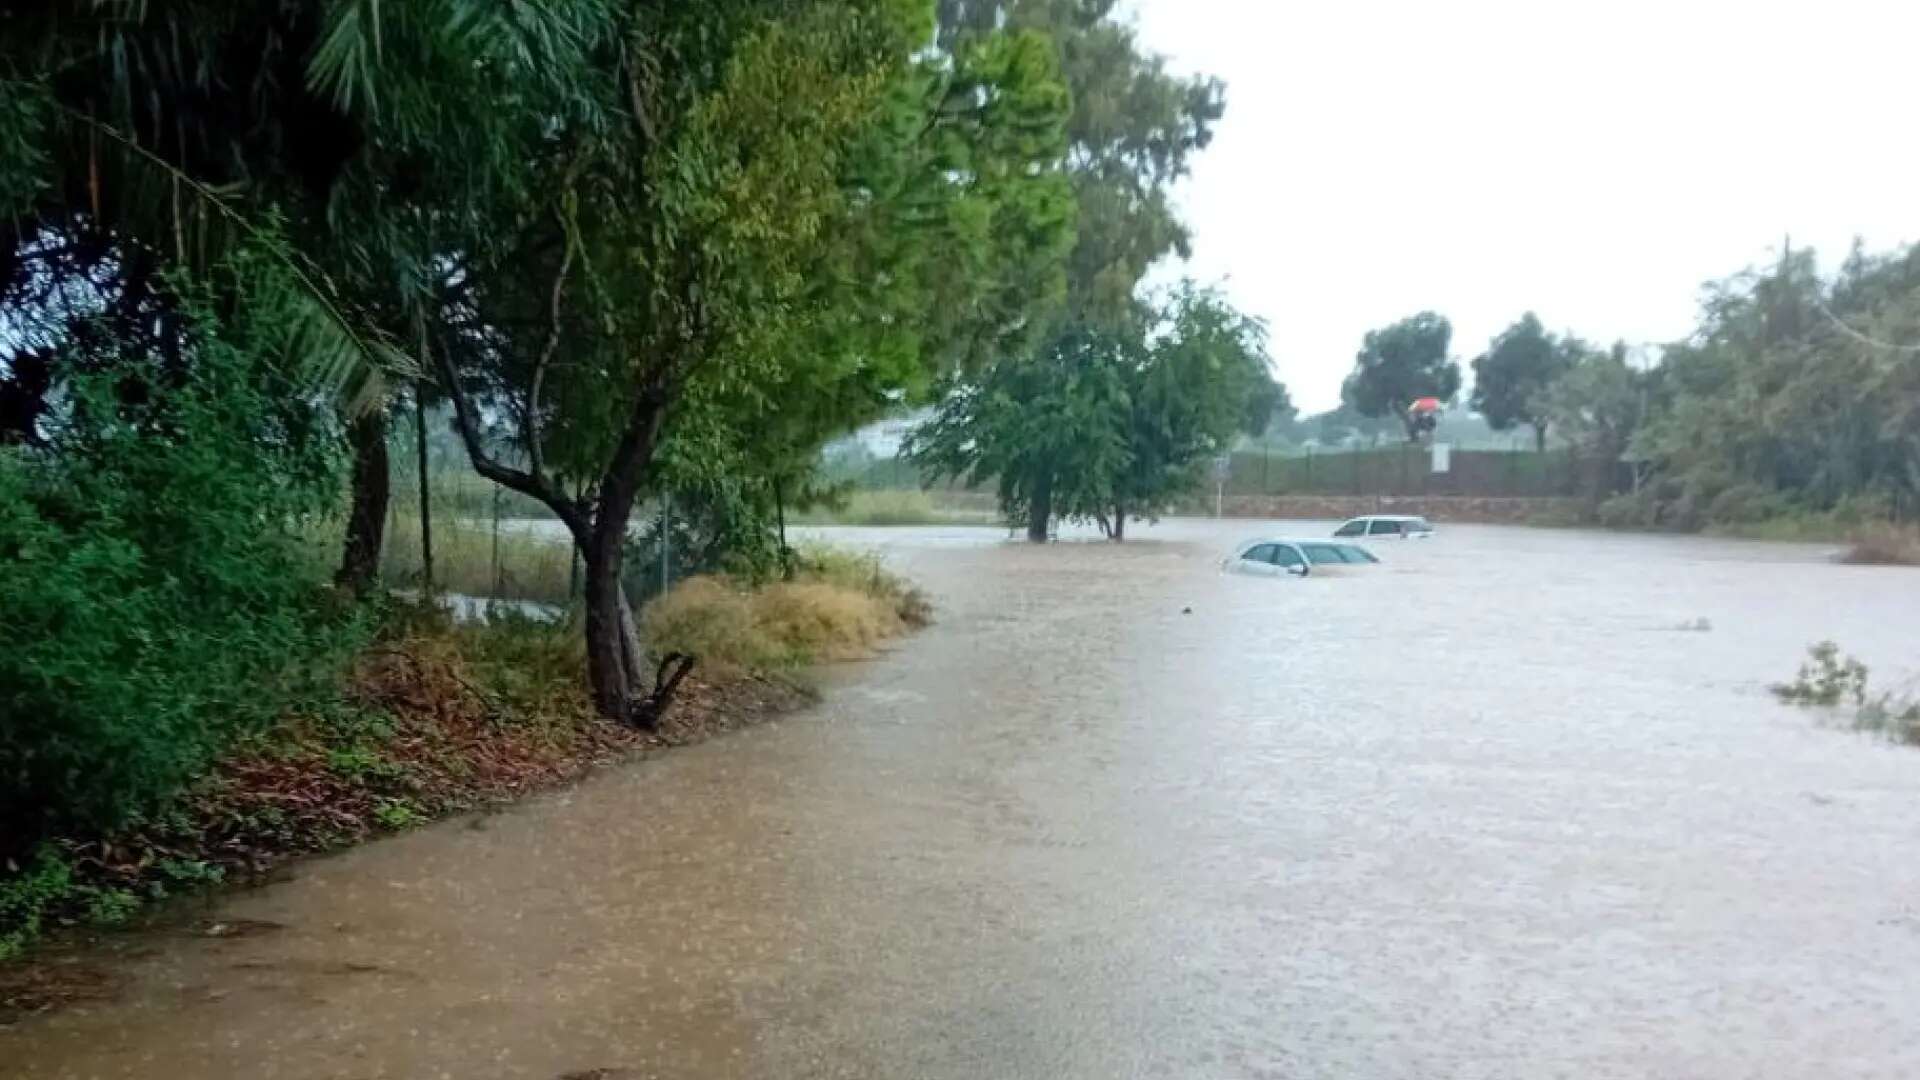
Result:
[[1268, 403], [1203, 371], [772, 215], [1131, 136], [1399, 364], [1511, 378], [155, 137], [1051, 430], [1597, 403], [1794, 393], [1103, 426]]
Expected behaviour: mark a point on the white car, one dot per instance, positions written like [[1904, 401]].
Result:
[[1398, 526], [1297, 558]]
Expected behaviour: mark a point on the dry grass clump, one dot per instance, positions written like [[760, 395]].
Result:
[[839, 606], [1884, 546]]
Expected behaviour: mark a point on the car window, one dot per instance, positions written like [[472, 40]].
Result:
[[1351, 528], [1323, 554], [1357, 554], [1383, 528], [1286, 555], [1259, 553]]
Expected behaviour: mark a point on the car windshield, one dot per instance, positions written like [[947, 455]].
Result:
[[1351, 528]]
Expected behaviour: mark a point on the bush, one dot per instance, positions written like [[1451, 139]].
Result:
[[1884, 545], [1828, 679], [156, 593], [1745, 503], [839, 606]]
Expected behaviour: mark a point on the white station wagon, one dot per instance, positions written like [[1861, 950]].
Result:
[[1398, 526], [1298, 558]]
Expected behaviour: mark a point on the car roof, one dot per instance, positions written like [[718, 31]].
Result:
[[1388, 517]]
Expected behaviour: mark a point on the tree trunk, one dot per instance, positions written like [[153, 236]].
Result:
[[1539, 438], [1040, 508], [367, 521], [1119, 522], [426, 505], [613, 648]]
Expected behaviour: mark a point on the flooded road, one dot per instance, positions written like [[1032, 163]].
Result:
[[1488, 812]]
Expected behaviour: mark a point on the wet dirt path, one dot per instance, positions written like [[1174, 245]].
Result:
[[1485, 814]]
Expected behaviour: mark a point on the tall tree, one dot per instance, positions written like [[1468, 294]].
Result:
[[1510, 379], [1104, 426], [1598, 404], [770, 217], [1202, 368], [1399, 364], [1131, 136], [1051, 430], [160, 135]]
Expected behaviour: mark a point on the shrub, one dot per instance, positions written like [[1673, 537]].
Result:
[[1744, 503], [1829, 679], [156, 595], [709, 618], [1825, 678], [1884, 545], [840, 605]]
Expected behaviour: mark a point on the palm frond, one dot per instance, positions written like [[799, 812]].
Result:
[[346, 358]]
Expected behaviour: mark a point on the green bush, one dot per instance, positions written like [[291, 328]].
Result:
[[155, 594], [1746, 503]]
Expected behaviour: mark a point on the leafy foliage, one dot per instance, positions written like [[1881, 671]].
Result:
[[1800, 391], [156, 595], [1511, 379], [1104, 426], [1400, 364]]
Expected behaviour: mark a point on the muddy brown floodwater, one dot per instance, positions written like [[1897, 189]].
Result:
[[1486, 813]]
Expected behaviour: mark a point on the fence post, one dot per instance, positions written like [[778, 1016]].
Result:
[[497, 584], [666, 541]]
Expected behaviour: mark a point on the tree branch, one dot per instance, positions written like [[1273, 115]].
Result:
[[492, 468], [530, 420]]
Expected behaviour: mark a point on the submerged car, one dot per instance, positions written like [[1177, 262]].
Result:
[[1399, 526], [1299, 558]]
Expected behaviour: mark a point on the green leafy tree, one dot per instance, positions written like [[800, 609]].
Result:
[[1268, 403], [1202, 370], [1050, 431], [1400, 364], [1103, 427], [1794, 394], [1131, 135], [1597, 404], [771, 229], [1510, 379]]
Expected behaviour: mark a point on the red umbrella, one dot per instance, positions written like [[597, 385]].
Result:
[[1426, 405]]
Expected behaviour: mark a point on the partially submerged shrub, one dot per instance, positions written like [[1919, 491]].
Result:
[[1825, 678], [1884, 545], [1829, 679]]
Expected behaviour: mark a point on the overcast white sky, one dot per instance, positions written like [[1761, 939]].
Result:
[[1593, 162]]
